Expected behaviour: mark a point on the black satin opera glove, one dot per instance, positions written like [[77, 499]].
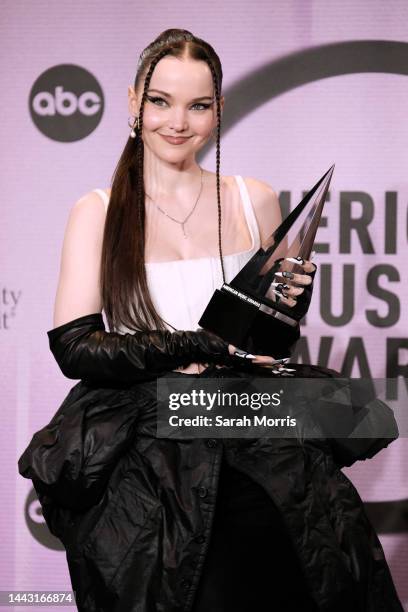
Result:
[[84, 350]]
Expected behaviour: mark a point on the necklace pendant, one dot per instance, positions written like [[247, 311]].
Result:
[[184, 231]]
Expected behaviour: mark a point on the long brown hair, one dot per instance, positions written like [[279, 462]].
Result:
[[124, 289]]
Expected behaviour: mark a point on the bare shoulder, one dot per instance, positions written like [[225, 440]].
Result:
[[266, 205], [260, 191], [86, 219], [90, 200], [89, 208]]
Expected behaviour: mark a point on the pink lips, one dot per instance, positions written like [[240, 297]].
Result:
[[175, 140]]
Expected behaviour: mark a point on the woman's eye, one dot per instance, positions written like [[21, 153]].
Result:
[[155, 100], [203, 106]]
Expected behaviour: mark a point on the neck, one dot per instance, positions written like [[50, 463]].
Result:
[[164, 180]]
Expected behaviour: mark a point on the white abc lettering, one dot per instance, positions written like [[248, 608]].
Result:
[[62, 97], [44, 109], [92, 97], [65, 103]]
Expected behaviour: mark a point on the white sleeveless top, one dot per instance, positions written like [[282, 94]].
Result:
[[181, 289]]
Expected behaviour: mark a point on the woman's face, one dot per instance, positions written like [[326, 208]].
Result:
[[188, 110]]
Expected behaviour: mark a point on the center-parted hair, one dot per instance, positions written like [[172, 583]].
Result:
[[124, 288]]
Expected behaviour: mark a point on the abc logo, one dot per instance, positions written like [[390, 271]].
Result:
[[37, 525], [66, 103]]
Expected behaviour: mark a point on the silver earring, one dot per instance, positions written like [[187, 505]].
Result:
[[134, 124]]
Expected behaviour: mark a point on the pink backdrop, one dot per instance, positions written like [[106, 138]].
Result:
[[312, 102]]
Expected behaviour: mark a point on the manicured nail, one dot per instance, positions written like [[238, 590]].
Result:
[[280, 293], [244, 355], [280, 286], [285, 274], [298, 260]]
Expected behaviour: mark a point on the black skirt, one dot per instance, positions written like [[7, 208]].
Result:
[[251, 563]]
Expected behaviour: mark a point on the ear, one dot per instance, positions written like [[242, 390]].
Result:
[[221, 109], [222, 100], [133, 101]]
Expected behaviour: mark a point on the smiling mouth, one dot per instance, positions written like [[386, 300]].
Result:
[[175, 139]]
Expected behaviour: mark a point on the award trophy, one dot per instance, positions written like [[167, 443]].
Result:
[[246, 312]]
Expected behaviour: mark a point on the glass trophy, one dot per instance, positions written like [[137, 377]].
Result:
[[246, 312]]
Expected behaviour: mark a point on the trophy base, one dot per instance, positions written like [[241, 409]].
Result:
[[248, 324]]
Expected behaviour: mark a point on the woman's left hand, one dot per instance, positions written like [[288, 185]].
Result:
[[287, 286]]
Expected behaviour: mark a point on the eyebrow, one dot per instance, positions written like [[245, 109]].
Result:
[[169, 96]]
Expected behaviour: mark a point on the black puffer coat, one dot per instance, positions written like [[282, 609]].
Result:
[[135, 512]]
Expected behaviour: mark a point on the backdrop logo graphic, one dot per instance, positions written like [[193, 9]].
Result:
[[36, 524], [299, 69], [66, 103], [285, 74], [9, 303]]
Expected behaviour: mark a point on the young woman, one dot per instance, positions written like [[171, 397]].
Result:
[[204, 524]]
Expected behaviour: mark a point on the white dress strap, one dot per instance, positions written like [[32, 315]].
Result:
[[249, 212], [104, 197]]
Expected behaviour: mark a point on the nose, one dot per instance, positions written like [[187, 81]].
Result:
[[178, 121]]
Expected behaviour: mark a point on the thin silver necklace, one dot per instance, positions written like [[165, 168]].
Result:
[[182, 223]]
